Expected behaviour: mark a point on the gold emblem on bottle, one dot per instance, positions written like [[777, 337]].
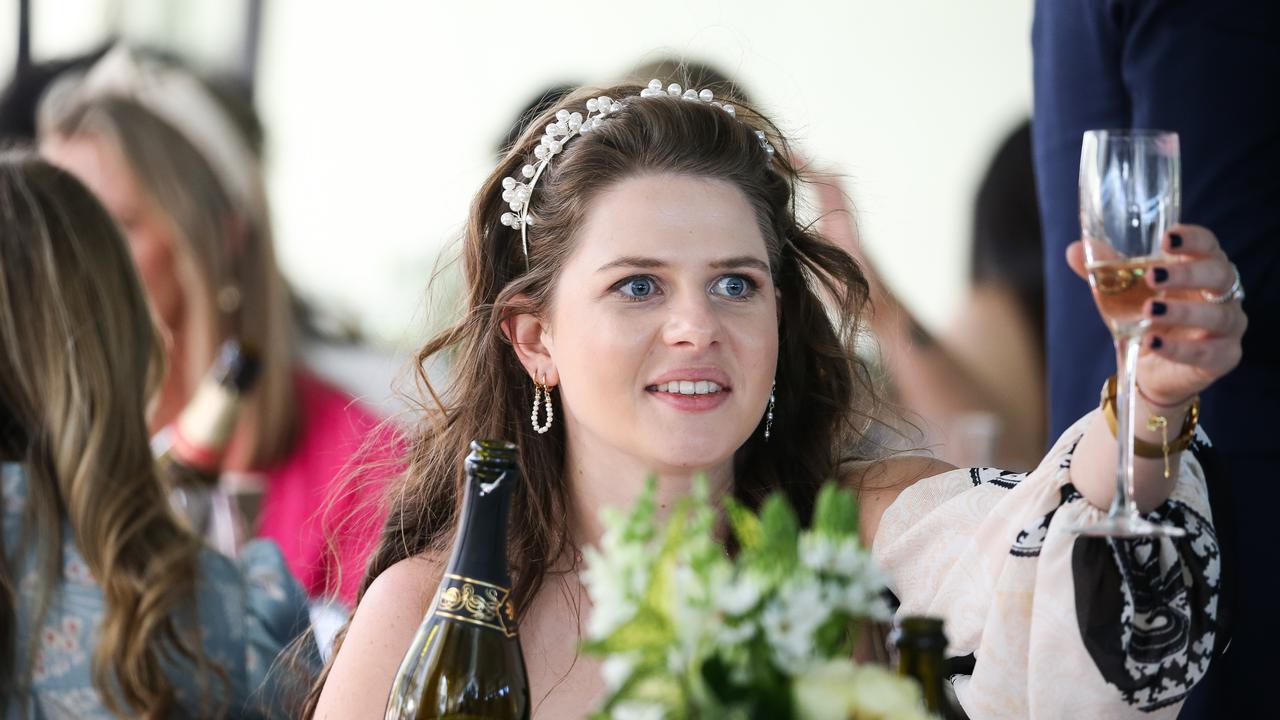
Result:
[[477, 602]]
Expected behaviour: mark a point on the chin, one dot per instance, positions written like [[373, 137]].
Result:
[[689, 452]]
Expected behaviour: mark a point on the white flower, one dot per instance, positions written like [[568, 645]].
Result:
[[692, 614], [740, 595], [850, 559], [789, 621], [878, 692], [817, 552], [616, 670], [730, 635], [839, 690], [635, 710], [615, 585]]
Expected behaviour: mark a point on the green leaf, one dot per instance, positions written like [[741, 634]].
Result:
[[779, 536], [836, 512], [640, 523], [836, 637], [658, 594], [647, 630], [745, 524]]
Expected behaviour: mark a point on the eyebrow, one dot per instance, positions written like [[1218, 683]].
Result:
[[633, 261]]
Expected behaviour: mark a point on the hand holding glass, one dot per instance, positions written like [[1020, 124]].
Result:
[[1130, 196]]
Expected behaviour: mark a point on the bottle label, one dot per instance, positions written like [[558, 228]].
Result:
[[477, 602]]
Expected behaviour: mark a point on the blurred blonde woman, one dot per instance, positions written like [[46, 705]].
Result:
[[107, 605], [170, 163]]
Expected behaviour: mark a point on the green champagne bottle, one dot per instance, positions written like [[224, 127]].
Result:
[[192, 464], [921, 644], [465, 662]]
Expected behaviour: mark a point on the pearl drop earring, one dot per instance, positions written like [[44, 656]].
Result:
[[768, 418]]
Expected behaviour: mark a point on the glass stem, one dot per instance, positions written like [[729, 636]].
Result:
[[1127, 349]]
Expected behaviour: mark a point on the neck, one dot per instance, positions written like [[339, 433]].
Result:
[[606, 477]]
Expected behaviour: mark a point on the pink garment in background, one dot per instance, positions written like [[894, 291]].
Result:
[[322, 503]]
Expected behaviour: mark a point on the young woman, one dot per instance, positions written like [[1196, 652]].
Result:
[[686, 321], [107, 605], [179, 176]]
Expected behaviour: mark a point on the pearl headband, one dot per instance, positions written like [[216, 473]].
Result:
[[516, 192]]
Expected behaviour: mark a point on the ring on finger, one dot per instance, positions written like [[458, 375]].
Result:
[[1235, 293]]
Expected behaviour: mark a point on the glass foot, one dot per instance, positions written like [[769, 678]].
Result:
[[1127, 526]]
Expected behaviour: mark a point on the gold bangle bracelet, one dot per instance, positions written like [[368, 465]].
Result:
[[1142, 448]]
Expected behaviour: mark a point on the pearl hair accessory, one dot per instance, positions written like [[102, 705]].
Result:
[[517, 191]]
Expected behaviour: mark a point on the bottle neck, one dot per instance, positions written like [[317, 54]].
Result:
[[480, 547], [922, 659], [203, 431]]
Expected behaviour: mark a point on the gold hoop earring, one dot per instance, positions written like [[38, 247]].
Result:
[[541, 395]]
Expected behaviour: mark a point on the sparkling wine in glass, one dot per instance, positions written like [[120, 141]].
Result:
[[1130, 196]]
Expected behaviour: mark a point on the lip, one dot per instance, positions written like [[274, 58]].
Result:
[[692, 403]]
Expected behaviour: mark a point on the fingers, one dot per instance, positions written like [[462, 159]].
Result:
[[1215, 356], [1226, 320], [1191, 240], [1213, 273], [1076, 259]]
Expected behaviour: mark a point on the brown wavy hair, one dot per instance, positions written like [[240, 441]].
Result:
[[79, 358], [825, 395]]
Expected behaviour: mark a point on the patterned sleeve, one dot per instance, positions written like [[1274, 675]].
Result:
[[254, 616], [1053, 624]]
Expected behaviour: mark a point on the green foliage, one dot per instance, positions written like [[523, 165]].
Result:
[[836, 512], [689, 633]]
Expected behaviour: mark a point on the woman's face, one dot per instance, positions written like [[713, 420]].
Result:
[[151, 235], [663, 327]]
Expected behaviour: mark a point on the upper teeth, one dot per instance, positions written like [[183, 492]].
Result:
[[689, 387]]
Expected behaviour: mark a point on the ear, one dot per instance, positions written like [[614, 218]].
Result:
[[530, 337]]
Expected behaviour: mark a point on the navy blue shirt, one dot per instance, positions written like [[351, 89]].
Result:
[[1209, 70]]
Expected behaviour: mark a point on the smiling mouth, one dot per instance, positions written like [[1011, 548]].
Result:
[[688, 387]]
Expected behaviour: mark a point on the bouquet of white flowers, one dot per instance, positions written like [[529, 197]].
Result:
[[688, 632]]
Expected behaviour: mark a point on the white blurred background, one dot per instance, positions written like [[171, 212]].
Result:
[[382, 115]]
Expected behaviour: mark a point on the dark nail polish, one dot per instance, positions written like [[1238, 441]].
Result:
[[1159, 308], [1161, 275], [1156, 343], [1175, 240]]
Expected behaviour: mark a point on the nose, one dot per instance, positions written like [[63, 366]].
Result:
[[692, 323]]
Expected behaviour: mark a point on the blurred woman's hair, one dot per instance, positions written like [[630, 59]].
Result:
[[79, 358], [1007, 246], [223, 230]]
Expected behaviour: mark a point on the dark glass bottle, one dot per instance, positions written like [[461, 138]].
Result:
[[921, 644], [193, 462], [465, 662]]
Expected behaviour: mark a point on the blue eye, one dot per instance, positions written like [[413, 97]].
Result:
[[637, 288], [734, 286]]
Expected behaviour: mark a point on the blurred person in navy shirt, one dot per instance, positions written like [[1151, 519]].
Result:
[[1209, 71]]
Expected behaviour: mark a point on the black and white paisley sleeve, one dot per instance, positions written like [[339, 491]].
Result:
[[1149, 609], [1058, 625]]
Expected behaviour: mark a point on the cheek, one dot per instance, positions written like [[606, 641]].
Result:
[[155, 257], [601, 358], [754, 343]]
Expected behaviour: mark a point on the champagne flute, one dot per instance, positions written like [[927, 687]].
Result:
[[1130, 195]]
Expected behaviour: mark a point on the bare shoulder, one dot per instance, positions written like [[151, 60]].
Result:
[[380, 632], [879, 482]]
